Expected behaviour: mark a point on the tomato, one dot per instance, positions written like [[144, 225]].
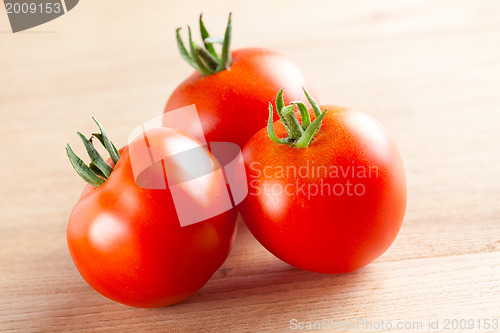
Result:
[[126, 240], [332, 206], [237, 83]]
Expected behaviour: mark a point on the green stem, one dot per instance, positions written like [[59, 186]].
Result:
[[299, 135], [98, 170], [205, 59], [292, 121]]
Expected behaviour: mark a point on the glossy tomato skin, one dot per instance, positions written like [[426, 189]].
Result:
[[244, 91], [127, 243], [302, 216]]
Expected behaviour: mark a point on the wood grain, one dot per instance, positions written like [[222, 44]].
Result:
[[428, 70]]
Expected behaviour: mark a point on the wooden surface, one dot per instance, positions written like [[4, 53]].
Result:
[[428, 70]]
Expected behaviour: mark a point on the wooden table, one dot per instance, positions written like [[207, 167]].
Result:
[[428, 70]]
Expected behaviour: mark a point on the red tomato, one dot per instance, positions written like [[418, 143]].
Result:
[[243, 86], [332, 207], [127, 243]]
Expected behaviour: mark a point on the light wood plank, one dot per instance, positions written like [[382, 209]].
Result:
[[428, 70]]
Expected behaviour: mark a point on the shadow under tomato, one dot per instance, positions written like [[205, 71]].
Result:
[[251, 275]]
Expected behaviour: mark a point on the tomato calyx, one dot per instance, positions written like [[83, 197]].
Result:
[[299, 135], [98, 170], [206, 60]]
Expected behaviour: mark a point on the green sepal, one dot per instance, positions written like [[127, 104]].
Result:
[[225, 58], [270, 128], [194, 55], [315, 106], [204, 36], [205, 59], [310, 132], [82, 169], [208, 59], [106, 142], [280, 104], [98, 170], [306, 119], [95, 157], [184, 52], [299, 135]]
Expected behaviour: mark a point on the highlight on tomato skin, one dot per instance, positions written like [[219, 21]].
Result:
[[232, 89], [330, 198], [127, 241]]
